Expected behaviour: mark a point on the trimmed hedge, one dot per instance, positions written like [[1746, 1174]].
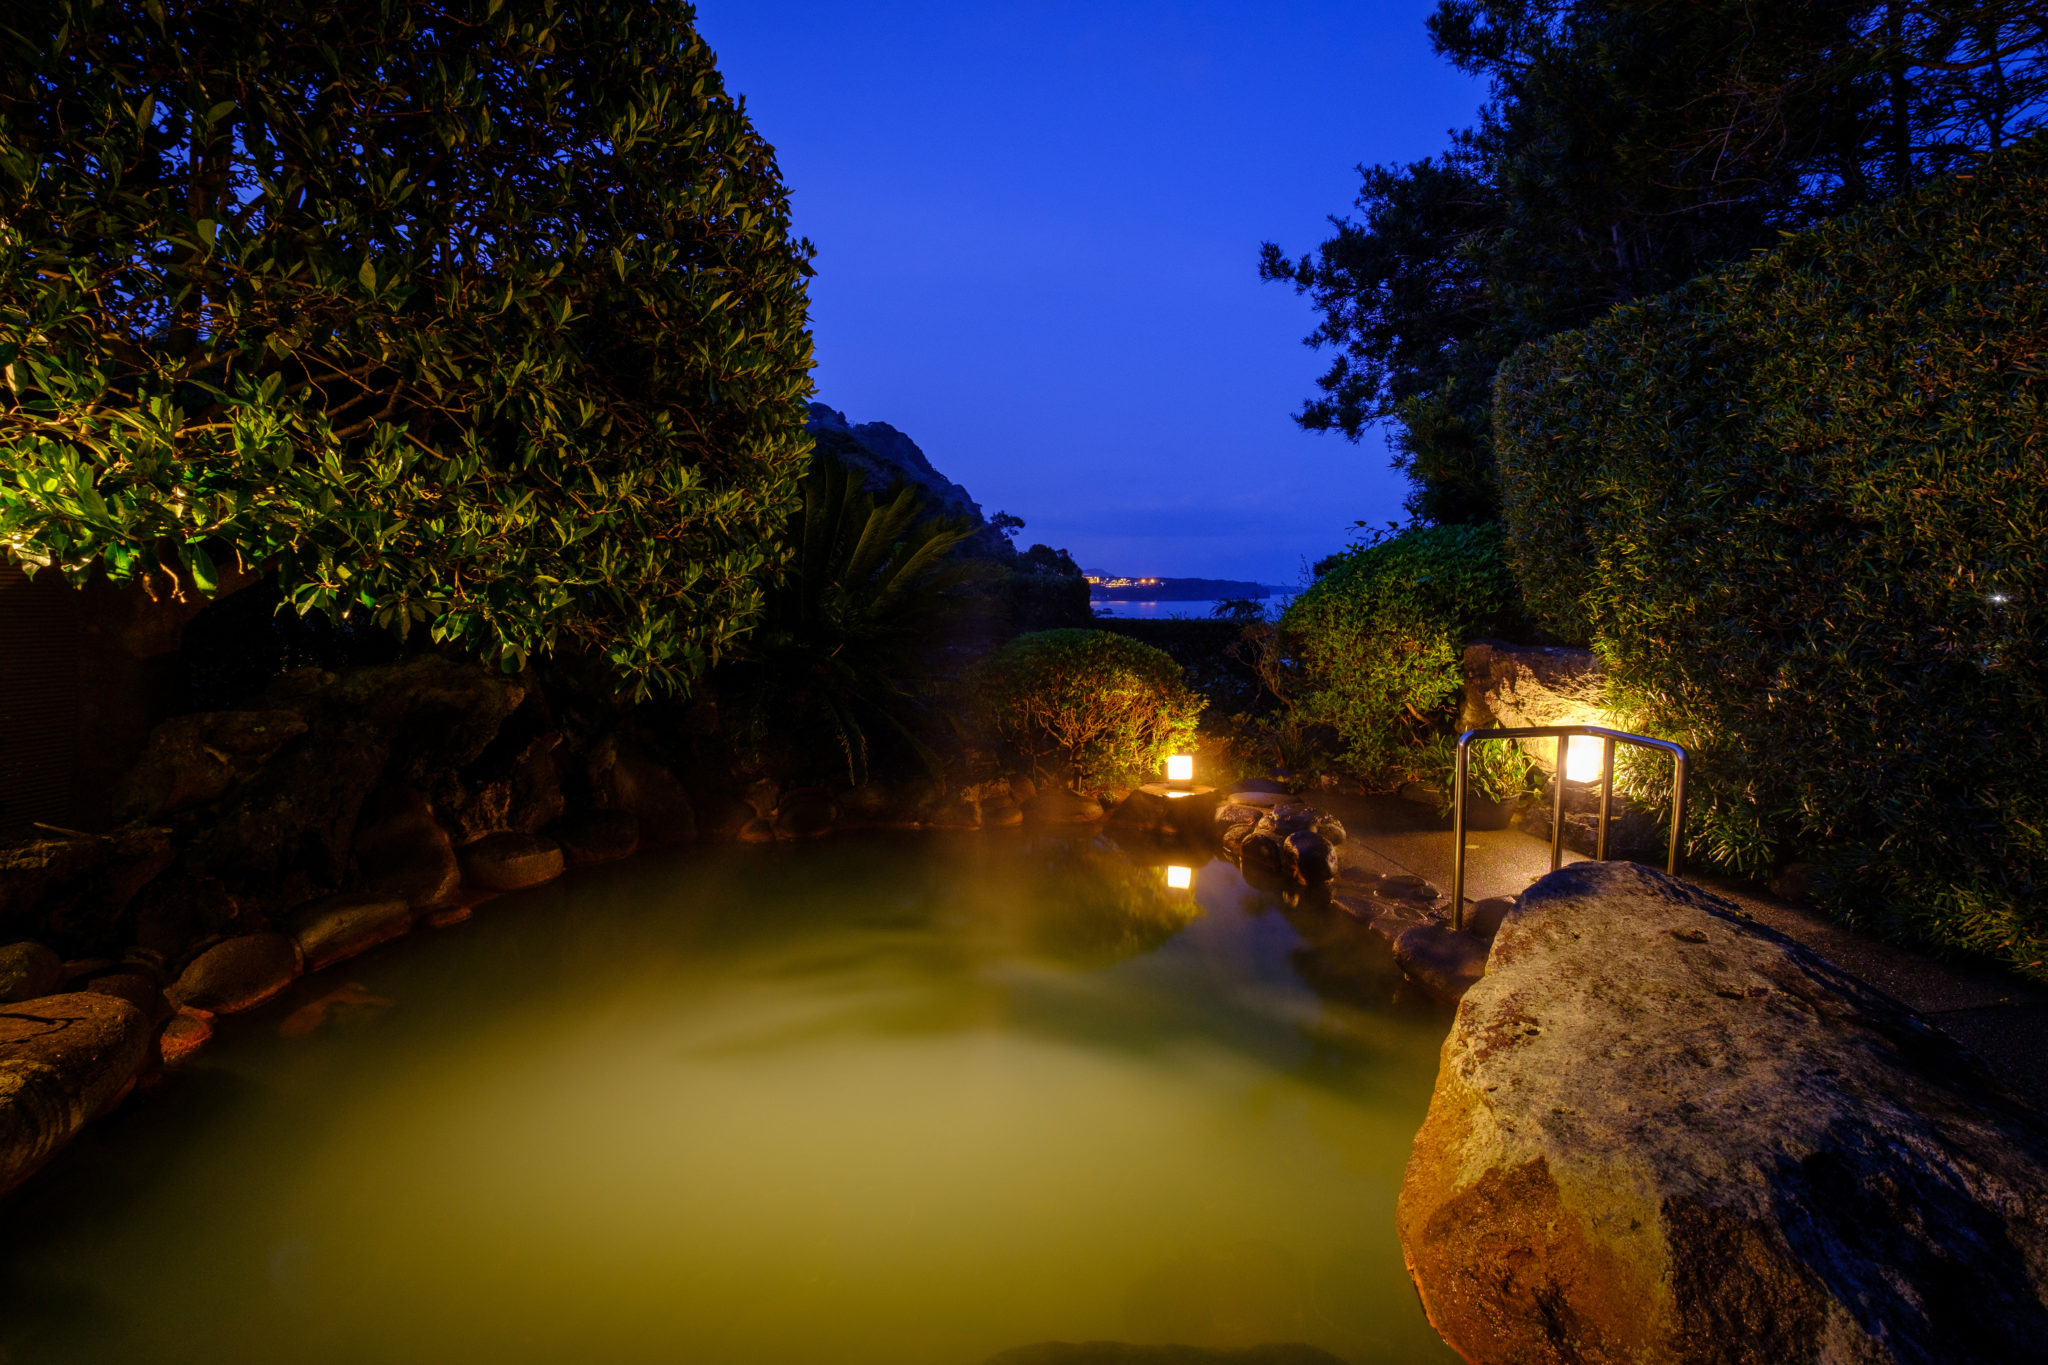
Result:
[[1379, 636], [1800, 506], [1108, 706]]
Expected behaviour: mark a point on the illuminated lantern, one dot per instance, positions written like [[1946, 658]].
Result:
[[1180, 768], [1582, 759], [1180, 878]]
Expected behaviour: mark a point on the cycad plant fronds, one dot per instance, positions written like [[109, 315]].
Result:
[[862, 603]]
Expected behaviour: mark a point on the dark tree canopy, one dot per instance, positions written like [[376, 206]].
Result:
[[477, 315], [1628, 146]]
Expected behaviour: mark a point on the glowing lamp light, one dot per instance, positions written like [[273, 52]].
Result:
[[1180, 878], [1180, 768], [1582, 759]]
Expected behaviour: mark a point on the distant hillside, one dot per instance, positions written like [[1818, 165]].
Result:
[[885, 456], [1118, 588]]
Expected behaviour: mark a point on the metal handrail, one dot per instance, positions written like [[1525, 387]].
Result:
[[1563, 734]]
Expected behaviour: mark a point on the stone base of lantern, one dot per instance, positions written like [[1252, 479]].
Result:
[[1166, 808]]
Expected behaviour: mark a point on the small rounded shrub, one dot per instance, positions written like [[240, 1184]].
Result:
[[1379, 635], [1106, 708]]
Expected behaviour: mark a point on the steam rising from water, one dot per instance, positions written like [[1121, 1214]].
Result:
[[892, 1103]]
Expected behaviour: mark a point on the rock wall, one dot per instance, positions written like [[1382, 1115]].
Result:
[[1511, 686], [84, 673], [885, 456], [340, 810], [63, 1060], [1662, 1133]]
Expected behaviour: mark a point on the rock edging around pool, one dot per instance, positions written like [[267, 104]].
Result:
[[1662, 1132], [409, 867], [1273, 835]]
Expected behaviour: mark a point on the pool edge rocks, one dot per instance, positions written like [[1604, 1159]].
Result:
[[64, 1060], [1662, 1132]]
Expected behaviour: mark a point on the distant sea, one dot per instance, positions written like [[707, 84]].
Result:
[[1199, 610]]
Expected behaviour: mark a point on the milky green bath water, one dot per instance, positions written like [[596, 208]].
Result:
[[894, 1101]]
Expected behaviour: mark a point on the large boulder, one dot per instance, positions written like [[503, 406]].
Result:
[[1512, 686], [511, 862], [1148, 811], [401, 850], [69, 890], [183, 1034], [1232, 811], [1310, 857], [1158, 809], [63, 1060], [881, 804], [1441, 960], [28, 970], [622, 778], [809, 812], [1663, 1133], [195, 758], [179, 909], [1059, 806], [515, 784], [289, 830], [336, 927], [136, 984], [435, 713], [599, 836], [237, 974]]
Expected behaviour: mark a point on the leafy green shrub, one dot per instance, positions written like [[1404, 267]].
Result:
[[1378, 637], [480, 316], [1108, 708], [1799, 506]]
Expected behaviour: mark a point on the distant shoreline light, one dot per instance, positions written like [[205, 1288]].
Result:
[[1149, 588], [1197, 608]]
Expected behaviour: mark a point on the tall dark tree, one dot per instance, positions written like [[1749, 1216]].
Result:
[[1626, 146]]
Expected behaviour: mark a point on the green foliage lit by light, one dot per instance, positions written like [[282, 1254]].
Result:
[[1379, 636], [1799, 506], [480, 316], [1108, 708]]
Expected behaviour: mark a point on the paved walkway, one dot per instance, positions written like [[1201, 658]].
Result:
[[2000, 1017]]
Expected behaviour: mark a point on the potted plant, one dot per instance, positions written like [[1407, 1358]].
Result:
[[1497, 776]]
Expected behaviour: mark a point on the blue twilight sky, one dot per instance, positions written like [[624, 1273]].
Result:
[[1038, 228]]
